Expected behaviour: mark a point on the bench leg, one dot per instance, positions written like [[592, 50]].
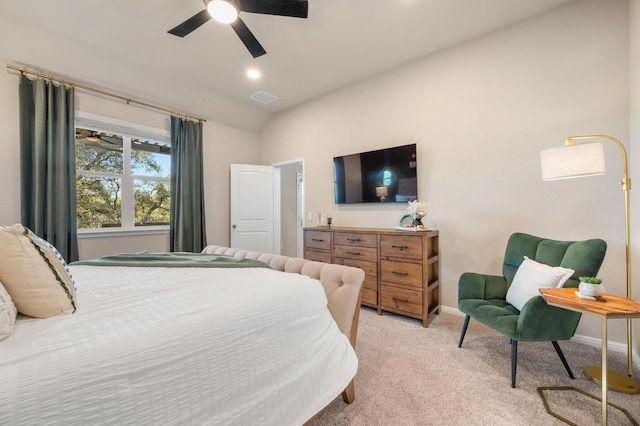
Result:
[[349, 394]]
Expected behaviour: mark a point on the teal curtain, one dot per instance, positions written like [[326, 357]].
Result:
[[48, 163], [187, 224]]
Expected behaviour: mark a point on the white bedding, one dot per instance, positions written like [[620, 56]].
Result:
[[177, 346]]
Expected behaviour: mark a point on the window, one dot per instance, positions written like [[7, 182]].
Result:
[[387, 177], [122, 179]]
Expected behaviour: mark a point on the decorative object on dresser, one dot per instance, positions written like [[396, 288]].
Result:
[[418, 210], [401, 270]]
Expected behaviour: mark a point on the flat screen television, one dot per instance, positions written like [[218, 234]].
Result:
[[382, 176]]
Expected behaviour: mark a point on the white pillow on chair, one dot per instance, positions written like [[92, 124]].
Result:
[[532, 276]]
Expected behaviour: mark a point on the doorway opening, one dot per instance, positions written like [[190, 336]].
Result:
[[289, 207]]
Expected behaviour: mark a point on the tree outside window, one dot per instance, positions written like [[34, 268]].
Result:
[[122, 181]]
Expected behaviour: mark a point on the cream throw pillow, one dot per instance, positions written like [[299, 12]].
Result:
[[8, 314], [34, 274], [532, 276]]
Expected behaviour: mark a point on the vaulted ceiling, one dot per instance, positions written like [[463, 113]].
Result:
[[124, 45]]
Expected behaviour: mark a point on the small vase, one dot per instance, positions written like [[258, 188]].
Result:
[[417, 222], [593, 290]]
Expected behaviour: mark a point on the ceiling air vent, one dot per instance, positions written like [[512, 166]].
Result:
[[263, 97]]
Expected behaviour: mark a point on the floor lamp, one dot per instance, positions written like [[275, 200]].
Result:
[[587, 159]]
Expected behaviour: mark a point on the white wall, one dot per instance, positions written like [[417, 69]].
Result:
[[480, 114], [222, 144]]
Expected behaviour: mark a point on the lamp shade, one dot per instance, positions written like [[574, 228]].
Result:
[[572, 161], [382, 191]]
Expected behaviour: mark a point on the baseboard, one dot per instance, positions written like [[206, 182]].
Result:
[[578, 338], [612, 346]]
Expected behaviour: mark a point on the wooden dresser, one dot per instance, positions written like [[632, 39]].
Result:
[[401, 267]]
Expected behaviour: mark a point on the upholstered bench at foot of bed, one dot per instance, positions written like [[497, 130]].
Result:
[[342, 285]]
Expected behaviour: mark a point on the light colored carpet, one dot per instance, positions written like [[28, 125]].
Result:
[[410, 375]]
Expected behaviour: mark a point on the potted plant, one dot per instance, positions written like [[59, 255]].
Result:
[[591, 286]]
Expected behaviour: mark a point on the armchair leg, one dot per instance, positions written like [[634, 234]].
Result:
[[514, 361], [562, 358], [464, 329]]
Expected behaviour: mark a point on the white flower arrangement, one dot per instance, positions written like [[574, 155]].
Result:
[[417, 209]]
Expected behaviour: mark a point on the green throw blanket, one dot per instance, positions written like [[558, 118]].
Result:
[[176, 260]]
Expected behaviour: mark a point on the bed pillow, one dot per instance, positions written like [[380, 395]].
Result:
[[35, 274], [532, 276], [8, 314]]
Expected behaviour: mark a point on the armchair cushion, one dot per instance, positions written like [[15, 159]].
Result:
[[530, 277], [479, 286]]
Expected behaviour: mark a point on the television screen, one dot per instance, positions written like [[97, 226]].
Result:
[[381, 176]]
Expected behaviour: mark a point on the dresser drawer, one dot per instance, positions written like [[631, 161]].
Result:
[[369, 268], [317, 239], [355, 239], [370, 282], [403, 246], [405, 274], [358, 253], [318, 256], [394, 298], [369, 297]]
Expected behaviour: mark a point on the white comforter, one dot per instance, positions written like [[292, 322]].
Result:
[[177, 346]]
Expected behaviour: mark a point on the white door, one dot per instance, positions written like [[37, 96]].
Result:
[[251, 199]]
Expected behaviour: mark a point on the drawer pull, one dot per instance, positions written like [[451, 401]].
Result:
[[354, 253], [395, 299], [404, 274], [317, 240], [354, 239], [400, 247]]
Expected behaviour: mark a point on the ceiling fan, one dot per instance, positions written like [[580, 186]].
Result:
[[226, 11]]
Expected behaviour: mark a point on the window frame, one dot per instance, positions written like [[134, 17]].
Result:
[[128, 131]]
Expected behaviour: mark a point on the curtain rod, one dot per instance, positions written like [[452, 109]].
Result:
[[102, 92]]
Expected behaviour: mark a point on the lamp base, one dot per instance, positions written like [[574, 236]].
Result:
[[615, 380]]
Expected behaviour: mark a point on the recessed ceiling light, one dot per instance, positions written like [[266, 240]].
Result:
[[253, 74]]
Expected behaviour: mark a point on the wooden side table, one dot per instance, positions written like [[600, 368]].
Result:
[[607, 306]]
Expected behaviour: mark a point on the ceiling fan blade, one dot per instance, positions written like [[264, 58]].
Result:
[[247, 37], [293, 8], [190, 24]]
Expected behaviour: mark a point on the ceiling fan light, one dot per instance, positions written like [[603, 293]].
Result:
[[223, 11]]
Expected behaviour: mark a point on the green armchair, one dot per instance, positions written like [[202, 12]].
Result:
[[483, 297]]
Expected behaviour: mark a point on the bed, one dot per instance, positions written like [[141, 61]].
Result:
[[188, 346]]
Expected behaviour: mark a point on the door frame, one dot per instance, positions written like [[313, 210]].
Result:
[[300, 211], [277, 194]]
